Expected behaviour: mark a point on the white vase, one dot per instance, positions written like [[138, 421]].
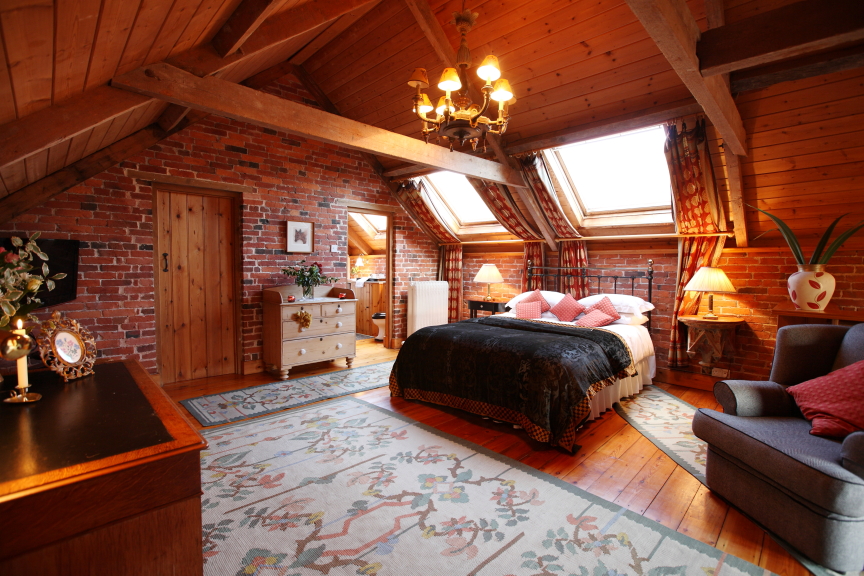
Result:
[[811, 287]]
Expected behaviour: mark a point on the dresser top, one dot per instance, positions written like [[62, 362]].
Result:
[[323, 295]]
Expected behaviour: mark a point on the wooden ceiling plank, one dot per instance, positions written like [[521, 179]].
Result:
[[245, 19], [204, 24], [7, 97], [241, 103], [798, 69], [28, 34], [672, 26], [57, 156], [335, 29], [181, 13], [73, 43], [14, 176], [359, 241], [715, 13], [62, 121], [116, 19], [794, 30], [149, 21], [36, 166], [172, 116], [406, 170]]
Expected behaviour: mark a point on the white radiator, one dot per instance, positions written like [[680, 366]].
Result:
[[427, 305]]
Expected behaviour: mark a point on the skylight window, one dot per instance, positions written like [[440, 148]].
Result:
[[626, 172], [460, 198]]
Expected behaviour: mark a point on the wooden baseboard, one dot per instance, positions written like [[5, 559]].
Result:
[[686, 379], [253, 367]]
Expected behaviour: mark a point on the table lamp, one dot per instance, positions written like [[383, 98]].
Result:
[[710, 280], [488, 275]]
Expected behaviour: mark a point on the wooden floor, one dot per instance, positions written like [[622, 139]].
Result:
[[615, 462]]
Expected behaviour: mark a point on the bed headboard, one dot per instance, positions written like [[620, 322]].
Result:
[[605, 278]]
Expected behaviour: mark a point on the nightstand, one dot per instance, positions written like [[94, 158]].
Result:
[[486, 305], [710, 337]]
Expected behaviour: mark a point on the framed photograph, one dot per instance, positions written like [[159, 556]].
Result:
[[67, 347], [300, 237]]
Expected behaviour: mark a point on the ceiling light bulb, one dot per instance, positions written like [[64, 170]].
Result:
[[425, 105], [502, 91], [450, 80], [489, 69], [442, 102]]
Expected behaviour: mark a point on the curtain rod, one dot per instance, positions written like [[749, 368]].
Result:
[[648, 236]]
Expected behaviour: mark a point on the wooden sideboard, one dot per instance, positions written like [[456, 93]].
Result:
[[101, 476], [370, 299], [330, 335], [787, 314]]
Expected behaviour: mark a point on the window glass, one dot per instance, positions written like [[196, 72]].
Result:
[[461, 197]]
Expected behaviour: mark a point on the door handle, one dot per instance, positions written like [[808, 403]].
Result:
[[165, 256]]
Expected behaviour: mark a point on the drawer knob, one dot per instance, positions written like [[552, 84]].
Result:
[[338, 324], [338, 345], [302, 329], [302, 351], [338, 309]]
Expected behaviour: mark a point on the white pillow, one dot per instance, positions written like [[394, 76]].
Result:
[[552, 298], [631, 319], [622, 303]]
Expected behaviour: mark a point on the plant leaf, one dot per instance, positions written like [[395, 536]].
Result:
[[824, 240], [788, 235], [17, 242], [839, 242]]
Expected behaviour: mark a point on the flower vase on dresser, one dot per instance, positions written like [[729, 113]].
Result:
[[308, 277]]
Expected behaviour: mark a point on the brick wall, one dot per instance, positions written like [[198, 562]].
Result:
[[291, 179]]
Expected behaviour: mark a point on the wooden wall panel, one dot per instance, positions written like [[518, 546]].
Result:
[[28, 35]]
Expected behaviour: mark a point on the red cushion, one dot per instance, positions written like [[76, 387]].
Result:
[[605, 306], [567, 309], [528, 310], [833, 403], [536, 296], [595, 319]]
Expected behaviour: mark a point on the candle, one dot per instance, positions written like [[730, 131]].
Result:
[[23, 383]]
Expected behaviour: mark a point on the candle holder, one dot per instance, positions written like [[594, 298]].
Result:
[[21, 395]]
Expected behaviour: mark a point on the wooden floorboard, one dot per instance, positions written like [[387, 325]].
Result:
[[614, 460]]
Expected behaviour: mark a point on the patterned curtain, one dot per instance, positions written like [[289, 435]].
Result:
[[535, 252], [500, 202], [450, 266], [411, 197], [697, 210], [572, 254]]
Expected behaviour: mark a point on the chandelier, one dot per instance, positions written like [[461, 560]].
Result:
[[457, 118]]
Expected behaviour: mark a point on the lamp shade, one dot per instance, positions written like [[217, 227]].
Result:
[[489, 69], [489, 274], [502, 92], [419, 79], [450, 80], [709, 279], [359, 261], [442, 104]]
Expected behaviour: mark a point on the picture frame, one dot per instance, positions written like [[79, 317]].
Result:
[[301, 237], [66, 347]]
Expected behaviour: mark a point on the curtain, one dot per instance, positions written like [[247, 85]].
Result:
[[411, 197], [535, 253], [697, 209], [500, 202], [572, 255], [450, 270]]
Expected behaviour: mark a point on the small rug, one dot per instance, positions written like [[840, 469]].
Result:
[[344, 487], [358, 336], [216, 409]]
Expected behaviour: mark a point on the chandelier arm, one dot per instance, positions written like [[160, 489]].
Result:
[[486, 91]]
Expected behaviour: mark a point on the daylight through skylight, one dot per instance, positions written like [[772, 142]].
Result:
[[617, 173], [461, 197]]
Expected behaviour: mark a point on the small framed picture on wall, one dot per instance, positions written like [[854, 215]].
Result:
[[300, 237]]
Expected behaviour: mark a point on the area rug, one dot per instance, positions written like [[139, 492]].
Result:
[[344, 487], [227, 407], [358, 336]]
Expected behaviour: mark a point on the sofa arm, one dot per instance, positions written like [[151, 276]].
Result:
[[852, 453], [751, 398]]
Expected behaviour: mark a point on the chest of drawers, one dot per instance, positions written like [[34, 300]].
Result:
[[330, 334]]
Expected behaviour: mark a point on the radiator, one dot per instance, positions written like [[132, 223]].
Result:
[[427, 305]]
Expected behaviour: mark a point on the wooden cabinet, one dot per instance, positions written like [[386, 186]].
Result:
[[329, 335], [370, 299]]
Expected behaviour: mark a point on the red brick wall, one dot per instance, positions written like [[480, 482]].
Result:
[[292, 179], [511, 270]]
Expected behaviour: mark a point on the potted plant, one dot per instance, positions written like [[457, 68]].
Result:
[[811, 287], [18, 285], [308, 277]]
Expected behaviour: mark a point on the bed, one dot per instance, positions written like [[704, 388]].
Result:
[[543, 374]]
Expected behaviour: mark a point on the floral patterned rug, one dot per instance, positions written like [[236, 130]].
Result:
[[344, 487], [227, 407], [667, 421]]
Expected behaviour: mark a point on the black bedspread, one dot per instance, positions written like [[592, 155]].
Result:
[[546, 372]]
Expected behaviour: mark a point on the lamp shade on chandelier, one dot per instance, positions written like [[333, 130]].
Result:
[[457, 118]]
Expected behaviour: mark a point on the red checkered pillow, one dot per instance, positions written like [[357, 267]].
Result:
[[594, 319], [536, 296], [567, 309], [605, 306], [528, 310], [833, 403]]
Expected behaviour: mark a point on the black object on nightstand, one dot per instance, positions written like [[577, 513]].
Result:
[[486, 305]]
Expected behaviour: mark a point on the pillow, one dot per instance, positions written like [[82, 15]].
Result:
[[594, 319], [621, 302], [536, 296], [605, 306], [631, 319], [834, 403], [551, 298], [567, 309], [528, 310]]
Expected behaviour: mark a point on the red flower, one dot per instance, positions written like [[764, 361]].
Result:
[[11, 257]]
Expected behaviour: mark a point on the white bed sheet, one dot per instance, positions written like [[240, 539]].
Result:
[[642, 349]]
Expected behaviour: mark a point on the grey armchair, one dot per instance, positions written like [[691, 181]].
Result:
[[762, 458]]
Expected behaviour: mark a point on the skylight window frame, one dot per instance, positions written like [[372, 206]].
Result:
[[459, 223], [448, 216]]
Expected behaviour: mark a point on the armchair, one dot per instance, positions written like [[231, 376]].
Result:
[[806, 489]]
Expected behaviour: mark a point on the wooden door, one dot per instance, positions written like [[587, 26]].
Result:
[[196, 283]]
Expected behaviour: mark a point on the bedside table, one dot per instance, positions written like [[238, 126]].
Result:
[[486, 305], [710, 337]]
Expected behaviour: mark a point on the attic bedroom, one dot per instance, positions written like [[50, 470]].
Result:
[[482, 287]]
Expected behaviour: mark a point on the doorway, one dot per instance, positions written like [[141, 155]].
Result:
[[196, 259], [370, 271]]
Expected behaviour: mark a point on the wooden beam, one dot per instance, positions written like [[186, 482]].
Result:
[[245, 19], [673, 28], [172, 116], [407, 170], [49, 126], [715, 13], [601, 128], [218, 96], [793, 30], [736, 196], [798, 68], [359, 242]]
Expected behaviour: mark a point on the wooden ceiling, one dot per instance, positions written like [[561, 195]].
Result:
[[575, 65]]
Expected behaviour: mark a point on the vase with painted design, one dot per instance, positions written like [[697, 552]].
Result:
[[811, 287]]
